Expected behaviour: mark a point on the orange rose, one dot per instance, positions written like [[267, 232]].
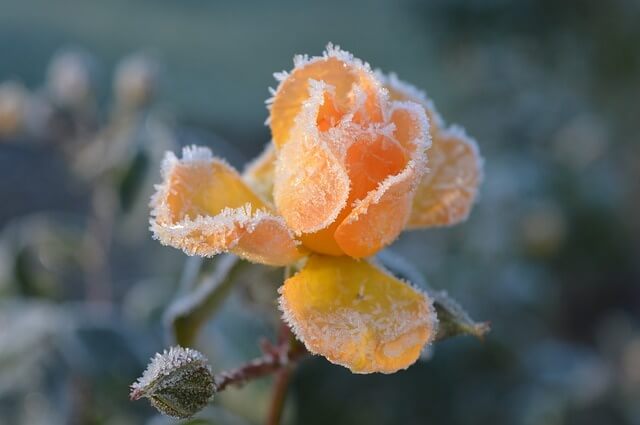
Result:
[[347, 172]]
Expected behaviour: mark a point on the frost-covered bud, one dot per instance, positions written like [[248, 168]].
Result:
[[69, 78], [135, 81], [178, 382], [13, 101]]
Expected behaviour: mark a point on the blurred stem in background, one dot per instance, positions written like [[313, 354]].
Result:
[[97, 243]]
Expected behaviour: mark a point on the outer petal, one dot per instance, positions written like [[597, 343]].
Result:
[[356, 315], [204, 208], [447, 192], [311, 186], [336, 68], [382, 214]]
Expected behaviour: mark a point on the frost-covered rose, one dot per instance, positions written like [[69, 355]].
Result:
[[356, 158]]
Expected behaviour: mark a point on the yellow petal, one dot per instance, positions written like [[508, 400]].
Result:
[[311, 186], [447, 192], [356, 315], [336, 68], [204, 208], [259, 173], [378, 219]]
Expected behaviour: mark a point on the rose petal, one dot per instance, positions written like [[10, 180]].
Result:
[[356, 315], [403, 91], [370, 159], [336, 68], [311, 186], [447, 192], [204, 208], [378, 219]]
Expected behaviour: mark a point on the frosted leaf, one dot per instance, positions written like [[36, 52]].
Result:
[[356, 315], [204, 208], [29, 333], [178, 382], [186, 314], [453, 320], [447, 192]]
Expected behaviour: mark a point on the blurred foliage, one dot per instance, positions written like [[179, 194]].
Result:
[[549, 256]]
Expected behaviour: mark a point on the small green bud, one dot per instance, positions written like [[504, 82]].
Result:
[[178, 382]]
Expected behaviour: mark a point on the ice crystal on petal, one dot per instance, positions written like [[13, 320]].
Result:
[[311, 187], [204, 208], [335, 68], [402, 91], [376, 220], [447, 192], [256, 236], [379, 218]]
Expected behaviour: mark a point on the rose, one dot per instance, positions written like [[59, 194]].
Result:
[[347, 171]]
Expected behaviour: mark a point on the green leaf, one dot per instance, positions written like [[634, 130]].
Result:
[[453, 320], [186, 315]]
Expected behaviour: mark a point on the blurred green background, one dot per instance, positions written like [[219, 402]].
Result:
[[550, 255]]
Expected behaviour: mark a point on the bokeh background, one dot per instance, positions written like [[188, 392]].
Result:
[[550, 255]]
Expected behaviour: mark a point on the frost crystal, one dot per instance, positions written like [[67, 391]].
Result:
[[178, 382]]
